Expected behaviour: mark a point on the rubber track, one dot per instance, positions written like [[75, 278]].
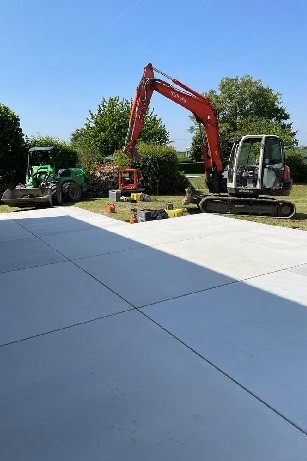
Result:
[[249, 205]]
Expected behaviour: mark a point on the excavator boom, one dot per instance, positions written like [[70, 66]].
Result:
[[199, 105]]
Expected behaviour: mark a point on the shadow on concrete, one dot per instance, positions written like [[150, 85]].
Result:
[[251, 336]]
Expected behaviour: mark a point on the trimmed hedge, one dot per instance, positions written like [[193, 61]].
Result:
[[185, 160], [297, 165], [192, 168], [159, 167]]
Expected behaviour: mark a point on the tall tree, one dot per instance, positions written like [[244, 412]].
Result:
[[12, 146], [245, 106], [105, 131]]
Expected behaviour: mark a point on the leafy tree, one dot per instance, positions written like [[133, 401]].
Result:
[[66, 155], [12, 147], [245, 106], [105, 131], [195, 152]]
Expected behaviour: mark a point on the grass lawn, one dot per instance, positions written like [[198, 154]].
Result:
[[125, 209]]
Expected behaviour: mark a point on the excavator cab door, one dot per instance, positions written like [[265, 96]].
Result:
[[273, 161]]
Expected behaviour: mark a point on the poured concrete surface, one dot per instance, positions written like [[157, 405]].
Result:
[[51, 297], [172, 340], [83, 394], [28, 252], [257, 338]]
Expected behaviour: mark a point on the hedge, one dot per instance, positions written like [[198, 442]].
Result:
[[160, 169], [297, 165], [192, 168]]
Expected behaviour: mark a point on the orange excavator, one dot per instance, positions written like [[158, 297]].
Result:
[[256, 164]]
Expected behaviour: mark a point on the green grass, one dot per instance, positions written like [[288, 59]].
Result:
[[299, 220], [125, 209], [298, 196]]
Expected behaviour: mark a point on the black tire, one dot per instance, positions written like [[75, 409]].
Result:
[[56, 195], [72, 192]]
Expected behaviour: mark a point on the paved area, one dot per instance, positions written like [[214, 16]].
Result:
[[182, 339]]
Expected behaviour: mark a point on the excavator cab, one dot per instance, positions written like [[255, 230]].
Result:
[[257, 167]]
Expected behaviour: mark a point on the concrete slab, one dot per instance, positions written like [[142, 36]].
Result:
[[103, 222], [35, 213], [53, 225], [26, 252], [178, 229], [9, 230], [301, 269], [88, 216], [90, 242], [119, 383], [239, 249], [42, 299], [281, 246], [222, 255], [252, 334], [123, 389], [146, 275], [288, 284]]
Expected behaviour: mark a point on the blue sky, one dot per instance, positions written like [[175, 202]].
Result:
[[59, 58]]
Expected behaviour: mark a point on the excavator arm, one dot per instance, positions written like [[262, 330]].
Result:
[[199, 105]]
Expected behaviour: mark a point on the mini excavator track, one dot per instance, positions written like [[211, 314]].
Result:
[[260, 206]]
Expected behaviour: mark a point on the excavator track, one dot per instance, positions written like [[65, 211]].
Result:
[[255, 206]]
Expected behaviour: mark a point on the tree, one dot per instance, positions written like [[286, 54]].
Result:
[[12, 147], [195, 152], [105, 131], [245, 106]]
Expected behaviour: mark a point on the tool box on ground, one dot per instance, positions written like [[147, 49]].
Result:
[[136, 196], [140, 197], [174, 213], [115, 195], [143, 215], [151, 215]]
